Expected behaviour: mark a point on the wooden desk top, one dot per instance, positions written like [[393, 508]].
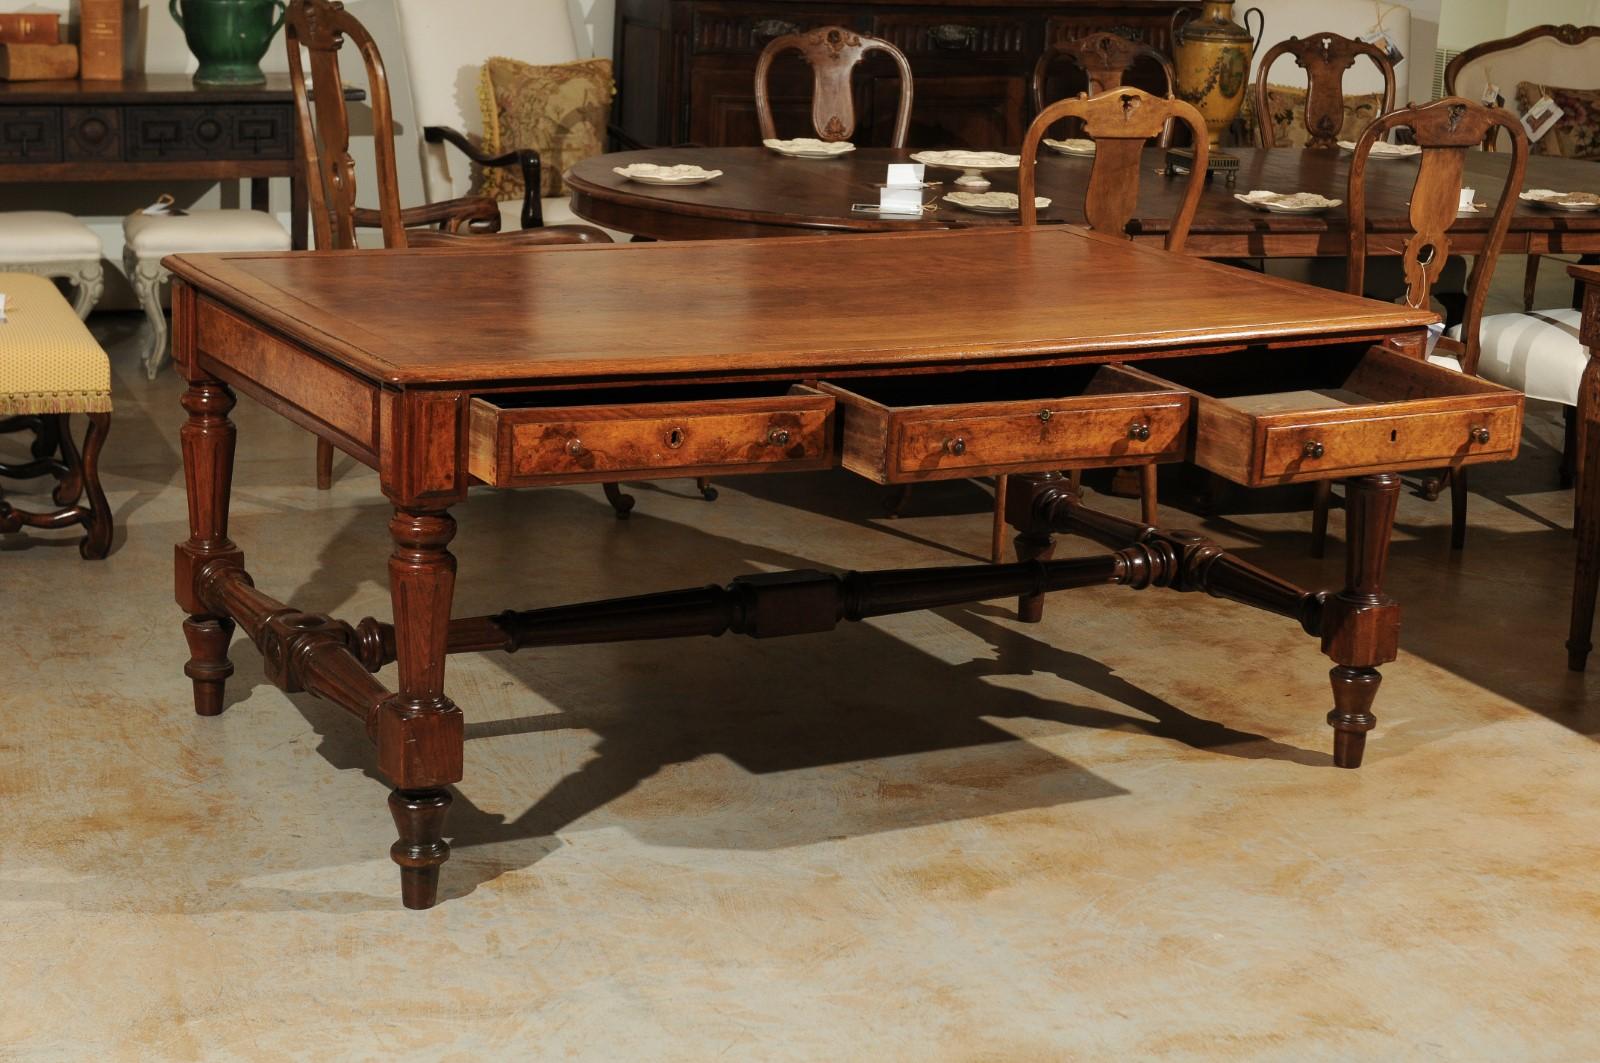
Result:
[[143, 88], [451, 317]]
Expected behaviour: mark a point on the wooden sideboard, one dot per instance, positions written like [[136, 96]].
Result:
[[686, 68]]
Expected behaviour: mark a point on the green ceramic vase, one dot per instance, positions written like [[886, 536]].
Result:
[[229, 37]]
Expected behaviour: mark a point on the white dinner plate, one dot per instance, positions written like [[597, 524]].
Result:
[[810, 148], [1076, 146], [992, 202], [649, 173], [1293, 203]]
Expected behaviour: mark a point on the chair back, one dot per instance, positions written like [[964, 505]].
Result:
[[1445, 130], [1324, 57], [1350, 18], [314, 32], [446, 43], [1104, 58], [832, 52], [1567, 56], [1119, 122]]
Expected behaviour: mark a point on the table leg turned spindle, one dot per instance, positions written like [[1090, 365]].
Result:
[[1034, 541], [208, 443], [1361, 624]]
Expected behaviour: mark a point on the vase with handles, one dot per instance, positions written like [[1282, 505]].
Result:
[[1211, 54], [229, 37]]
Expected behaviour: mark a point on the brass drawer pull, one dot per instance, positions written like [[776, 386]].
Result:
[[1313, 449], [1044, 415], [675, 439], [1139, 432], [956, 446], [778, 437], [576, 448], [1479, 434]]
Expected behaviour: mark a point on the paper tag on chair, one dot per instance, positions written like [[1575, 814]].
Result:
[[2, 308], [164, 207], [1379, 37], [1491, 96], [1540, 117]]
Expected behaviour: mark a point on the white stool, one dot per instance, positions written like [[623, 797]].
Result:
[[52, 244], [148, 238]]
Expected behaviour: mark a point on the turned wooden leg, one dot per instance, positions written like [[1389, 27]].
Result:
[[419, 819], [97, 543], [1458, 508], [324, 465], [70, 487], [1567, 475], [1034, 542], [418, 730], [1586, 502], [997, 531], [1361, 624], [1321, 502], [901, 499], [622, 503], [208, 444], [1149, 508]]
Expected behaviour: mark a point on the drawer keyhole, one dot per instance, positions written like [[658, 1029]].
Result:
[[956, 446], [675, 438], [1139, 433], [778, 437], [1313, 449], [1479, 434], [576, 448]]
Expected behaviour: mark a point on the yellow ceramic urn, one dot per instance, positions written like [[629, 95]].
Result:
[[1212, 55]]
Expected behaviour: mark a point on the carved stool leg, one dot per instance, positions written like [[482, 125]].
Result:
[[622, 503], [208, 443], [1361, 625], [418, 730], [1033, 542], [47, 437], [97, 543]]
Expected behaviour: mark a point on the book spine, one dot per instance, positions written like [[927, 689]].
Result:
[[100, 40], [38, 62], [29, 28]]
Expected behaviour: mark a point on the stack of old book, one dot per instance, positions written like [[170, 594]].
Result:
[[31, 48]]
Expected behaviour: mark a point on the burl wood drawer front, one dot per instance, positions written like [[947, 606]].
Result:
[[948, 425], [615, 435], [1288, 416]]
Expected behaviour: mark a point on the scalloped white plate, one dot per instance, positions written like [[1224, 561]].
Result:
[[1572, 202], [810, 148], [1291, 203], [650, 173], [1384, 150], [992, 202], [1076, 146], [974, 161]]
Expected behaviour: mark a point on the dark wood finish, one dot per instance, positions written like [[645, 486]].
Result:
[[1324, 57], [1361, 624], [684, 67], [1586, 578], [77, 473], [1104, 59], [832, 52], [611, 323], [764, 194], [153, 127]]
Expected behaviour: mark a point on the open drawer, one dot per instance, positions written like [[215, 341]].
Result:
[[1286, 416], [642, 433], [944, 425]]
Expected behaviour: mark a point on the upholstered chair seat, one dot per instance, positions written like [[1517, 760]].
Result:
[[52, 244], [1537, 353], [148, 238]]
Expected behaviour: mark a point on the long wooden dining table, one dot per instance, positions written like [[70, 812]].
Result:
[[762, 193], [450, 367]]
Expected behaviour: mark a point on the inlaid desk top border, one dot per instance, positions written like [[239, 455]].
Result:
[[754, 306]]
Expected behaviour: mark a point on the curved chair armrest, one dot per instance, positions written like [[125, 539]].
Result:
[[542, 237], [524, 158], [474, 214]]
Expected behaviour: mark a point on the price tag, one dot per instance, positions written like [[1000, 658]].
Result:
[[900, 200], [905, 175], [1491, 96], [2, 308], [1540, 117], [1379, 37]]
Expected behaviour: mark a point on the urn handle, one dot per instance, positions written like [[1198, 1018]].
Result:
[[1261, 28], [177, 16], [283, 13]]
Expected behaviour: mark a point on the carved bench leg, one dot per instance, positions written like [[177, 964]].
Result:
[[97, 543], [1034, 542], [208, 443], [1361, 624], [70, 488], [418, 730]]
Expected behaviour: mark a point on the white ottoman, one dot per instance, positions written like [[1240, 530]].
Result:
[[148, 238], [52, 244]]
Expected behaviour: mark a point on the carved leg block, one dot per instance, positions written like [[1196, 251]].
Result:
[[208, 666], [1034, 542], [419, 819]]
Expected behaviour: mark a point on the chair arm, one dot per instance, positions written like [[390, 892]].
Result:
[[525, 158], [541, 237], [473, 214]]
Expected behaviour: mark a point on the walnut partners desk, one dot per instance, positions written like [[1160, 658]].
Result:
[[448, 367]]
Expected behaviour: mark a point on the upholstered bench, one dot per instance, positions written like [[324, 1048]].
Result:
[[148, 238], [53, 244], [51, 368]]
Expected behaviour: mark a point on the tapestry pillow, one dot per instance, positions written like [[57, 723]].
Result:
[[560, 111], [1286, 109], [1576, 134]]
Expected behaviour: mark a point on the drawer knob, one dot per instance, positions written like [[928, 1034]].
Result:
[[1139, 432], [778, 437], [956, 446], [675, 439], [1479, 434], [576, 448], [1044, 415], [1313, 449]]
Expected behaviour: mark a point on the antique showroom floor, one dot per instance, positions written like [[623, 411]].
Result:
[[944, 836]]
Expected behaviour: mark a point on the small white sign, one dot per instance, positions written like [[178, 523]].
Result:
[[1380, 37], [905, 175], [1465, 206], [2, 308], [900, 200], [1540, 117], [1491, 96]]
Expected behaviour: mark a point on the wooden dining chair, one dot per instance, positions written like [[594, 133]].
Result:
[[1325, 57], [318, 29], [1104, 58], [833, 53], [1446, 130], [1120, 122]]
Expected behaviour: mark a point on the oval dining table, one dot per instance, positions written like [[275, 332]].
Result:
[[762, 193]]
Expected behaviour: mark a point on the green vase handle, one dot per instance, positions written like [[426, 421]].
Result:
[[177, 16], [283, 13]]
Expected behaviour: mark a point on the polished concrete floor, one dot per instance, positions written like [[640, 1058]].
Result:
[[943, 836]]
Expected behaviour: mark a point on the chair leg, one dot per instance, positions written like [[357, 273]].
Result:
[[997, 532], [703, 485], [1149, 510], [1530, 283], [324, 465], [1569, 448], [622, 503], [1458, 508], [88, 282], [147, 278], [898, 506], [1319, 517]]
